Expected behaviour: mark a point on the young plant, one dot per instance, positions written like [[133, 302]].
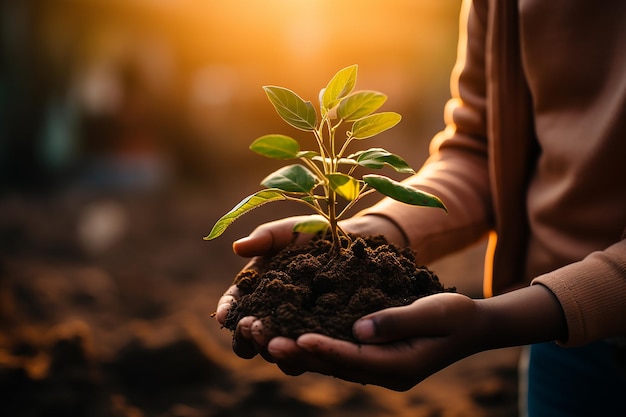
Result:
[[327, 173]]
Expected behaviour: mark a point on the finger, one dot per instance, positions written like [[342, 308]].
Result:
[[433, 316], [333, 350], [283, 348], [260, 338], [259, 334], [333, 356], [266, 239], [291, 358], [244, 327], [243, 345], [384, 365], [374, 358], [224, 303], [287, 355]]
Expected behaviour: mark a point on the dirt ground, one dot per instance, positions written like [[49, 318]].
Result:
[[105, 303]]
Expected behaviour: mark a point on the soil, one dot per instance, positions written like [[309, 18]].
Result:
[[101, 324], [310, 288]]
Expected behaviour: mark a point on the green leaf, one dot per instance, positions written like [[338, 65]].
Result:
[[307, 154], [376, 158], [251, 202], [403, 193], [292, 178], [276, 146], [291, 108], [374, 124], [360, 104], [312, 226], [339, 86], [344, 185]]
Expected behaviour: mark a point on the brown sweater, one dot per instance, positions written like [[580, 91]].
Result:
[[534, 153]]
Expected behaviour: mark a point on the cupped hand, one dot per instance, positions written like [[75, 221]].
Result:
[[399, 347], [267, 239]]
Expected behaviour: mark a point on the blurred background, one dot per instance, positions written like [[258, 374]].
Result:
[[175, 86], [124, 133]]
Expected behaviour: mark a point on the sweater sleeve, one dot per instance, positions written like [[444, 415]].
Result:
[[457, 169], [592, 293]]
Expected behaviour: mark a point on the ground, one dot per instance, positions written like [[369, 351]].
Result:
[[105, 304]]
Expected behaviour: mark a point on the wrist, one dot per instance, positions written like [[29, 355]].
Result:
[[525, 316]]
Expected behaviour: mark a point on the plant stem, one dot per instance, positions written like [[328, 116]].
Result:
[[332, 203], [364, 191], [332, 218]]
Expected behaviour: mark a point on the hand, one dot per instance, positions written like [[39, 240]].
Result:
[[401, 345], [265, 240], [270, 238]]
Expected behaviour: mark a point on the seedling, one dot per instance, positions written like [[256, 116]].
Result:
[[327, 173]]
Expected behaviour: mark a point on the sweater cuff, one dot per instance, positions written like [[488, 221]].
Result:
[[592, 294]]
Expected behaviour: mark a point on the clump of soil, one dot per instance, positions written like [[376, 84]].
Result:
[[306, 289]]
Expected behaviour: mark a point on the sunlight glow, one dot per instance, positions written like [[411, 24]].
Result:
[[197, 66]]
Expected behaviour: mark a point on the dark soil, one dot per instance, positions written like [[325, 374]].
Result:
[[124, 330], [306, 289]]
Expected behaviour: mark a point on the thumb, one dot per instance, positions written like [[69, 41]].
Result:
[[432, 316], [258, 243], [265, 239], [270, 238]]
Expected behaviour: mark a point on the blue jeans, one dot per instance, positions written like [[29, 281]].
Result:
[[581, 381]]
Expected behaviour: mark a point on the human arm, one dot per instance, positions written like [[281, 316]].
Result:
[[592, 293], [457, 169]]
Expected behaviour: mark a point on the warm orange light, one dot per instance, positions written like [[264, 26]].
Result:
[[200, 64]]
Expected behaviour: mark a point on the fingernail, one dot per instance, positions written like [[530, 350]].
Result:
[[307, 342], [364, 329], [222, 311], [238, 242], [276, 347]]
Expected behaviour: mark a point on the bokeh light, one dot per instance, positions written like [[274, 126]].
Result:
[[176, 85]]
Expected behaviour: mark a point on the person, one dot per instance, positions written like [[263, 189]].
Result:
[[532, 155]]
